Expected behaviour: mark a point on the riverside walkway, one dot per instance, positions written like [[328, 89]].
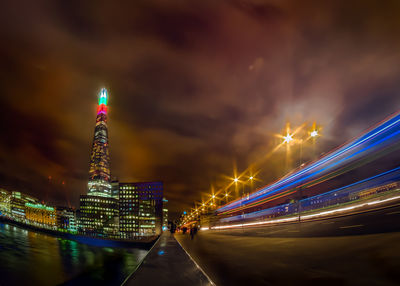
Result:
[[167, 263]]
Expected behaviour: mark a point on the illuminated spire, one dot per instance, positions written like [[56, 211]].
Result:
[[103, 99], [103, 96]]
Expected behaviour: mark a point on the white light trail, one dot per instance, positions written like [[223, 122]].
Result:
[[305, 217]]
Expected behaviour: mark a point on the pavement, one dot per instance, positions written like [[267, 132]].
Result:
[[359, 249], [167, 263]]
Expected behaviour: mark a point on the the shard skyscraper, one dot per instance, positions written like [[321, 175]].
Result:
[[99, 183]]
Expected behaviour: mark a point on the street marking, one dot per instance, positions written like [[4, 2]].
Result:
[[398, 212], [350, 226]]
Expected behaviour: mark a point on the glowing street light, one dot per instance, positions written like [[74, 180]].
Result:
[[236, 180], [251, 178], [288, 138], [314, 133], [213, 196]]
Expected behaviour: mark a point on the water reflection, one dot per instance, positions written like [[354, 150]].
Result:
[[29, 258]]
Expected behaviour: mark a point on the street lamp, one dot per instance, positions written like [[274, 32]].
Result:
[[236, 180], [288, 138], [314, 133]]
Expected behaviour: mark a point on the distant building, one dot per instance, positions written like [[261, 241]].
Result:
[[98, 216], [40, 215], [140, 209], [165, 214], [66, 219], [17, 205], [5, 200]]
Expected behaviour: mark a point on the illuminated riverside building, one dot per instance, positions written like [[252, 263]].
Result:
[[5, 200], [99, 183], [40, 215], [66, 219], [99, 216], [140, 209], [18, 203]]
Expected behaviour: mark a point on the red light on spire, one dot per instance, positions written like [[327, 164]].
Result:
[[102, 108]]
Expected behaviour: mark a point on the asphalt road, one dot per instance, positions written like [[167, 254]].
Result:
[[360, 249]]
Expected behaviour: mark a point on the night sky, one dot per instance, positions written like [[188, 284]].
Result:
[[196, 87]]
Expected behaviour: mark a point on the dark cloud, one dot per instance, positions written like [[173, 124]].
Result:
[[195, 87]]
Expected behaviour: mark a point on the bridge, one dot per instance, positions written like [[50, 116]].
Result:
[[335, 221]]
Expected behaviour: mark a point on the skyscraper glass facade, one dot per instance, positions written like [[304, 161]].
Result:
[[99, 183]]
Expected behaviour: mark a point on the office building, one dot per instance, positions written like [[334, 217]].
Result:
[[140, 209], [17, 205], [66, 219], [99, 216]]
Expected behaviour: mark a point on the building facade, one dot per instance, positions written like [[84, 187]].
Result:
[[140, 209], [66, 219], [18, 203], [5, 200], [40, 215], [99, 216]]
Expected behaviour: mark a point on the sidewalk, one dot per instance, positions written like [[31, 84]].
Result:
[[167, 264]]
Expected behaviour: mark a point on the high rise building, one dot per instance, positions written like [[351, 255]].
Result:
[[98, 214], [140, 209], [99, 170]]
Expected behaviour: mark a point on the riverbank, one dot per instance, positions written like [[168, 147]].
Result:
[[145, 243]]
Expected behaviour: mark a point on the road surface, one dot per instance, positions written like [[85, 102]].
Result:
[[361, 249]]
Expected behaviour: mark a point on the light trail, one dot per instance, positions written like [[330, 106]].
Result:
[[381, 179], [381, 137], [306, 217]]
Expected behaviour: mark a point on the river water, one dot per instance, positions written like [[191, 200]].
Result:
[[30, 258]]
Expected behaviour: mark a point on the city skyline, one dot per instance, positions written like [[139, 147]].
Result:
[[230, 142], [183, 103]]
